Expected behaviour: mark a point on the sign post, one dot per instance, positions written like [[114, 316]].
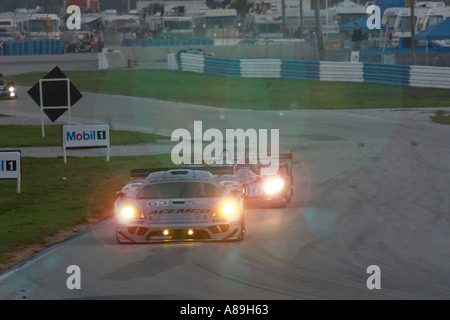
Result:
[[85, 136], [10, 167], [41, 99]]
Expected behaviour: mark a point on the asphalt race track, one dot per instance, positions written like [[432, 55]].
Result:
[[371, 188], [30, 63]]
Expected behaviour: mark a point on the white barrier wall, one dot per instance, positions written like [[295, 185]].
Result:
[[341, 71], [192, 62], [432, 77], [418, 76], [260, 68]]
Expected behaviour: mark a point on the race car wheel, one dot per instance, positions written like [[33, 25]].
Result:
[[242, 235], [289, 196]]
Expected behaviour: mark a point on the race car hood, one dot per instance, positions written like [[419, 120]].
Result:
[[180, 210]]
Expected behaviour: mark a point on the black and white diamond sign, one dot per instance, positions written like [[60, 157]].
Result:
[[55, 94]]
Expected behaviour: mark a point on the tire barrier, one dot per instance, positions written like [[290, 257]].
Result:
[[341, 71], [417, 76], [222, 67], [301, 70], [386, 74], [192, 62], [261, 68], [32, 47], [432, 77]]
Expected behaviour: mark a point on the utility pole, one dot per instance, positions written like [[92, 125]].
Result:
[[302, 25], [283, 12], [318, 29], [413, 30]]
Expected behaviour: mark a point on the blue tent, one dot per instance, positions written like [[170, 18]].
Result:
[[362, 22], [439, 31]]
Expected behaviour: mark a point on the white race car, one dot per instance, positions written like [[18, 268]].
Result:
[[177, 205]]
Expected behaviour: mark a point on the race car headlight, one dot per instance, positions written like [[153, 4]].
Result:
[[12, 89], [130, 212], [226, 209], [273, 186]]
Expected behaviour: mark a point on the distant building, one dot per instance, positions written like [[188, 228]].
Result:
[[189, 5], [87, 4]]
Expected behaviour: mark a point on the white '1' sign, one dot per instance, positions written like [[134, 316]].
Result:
[[10, 166]]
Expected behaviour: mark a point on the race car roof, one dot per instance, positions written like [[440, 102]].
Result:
[[181, 175], [215, 170]]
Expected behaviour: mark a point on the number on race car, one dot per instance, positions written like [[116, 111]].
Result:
[[253, 190]]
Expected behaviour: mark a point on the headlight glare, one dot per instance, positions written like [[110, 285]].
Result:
[[273, 186], [226, 209], [130, 212], [12, 89], [229, 208]]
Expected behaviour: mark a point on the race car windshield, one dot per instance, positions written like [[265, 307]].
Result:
[[169, 190]]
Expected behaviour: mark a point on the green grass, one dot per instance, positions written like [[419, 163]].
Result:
[[31, 136], [55, 195], [248, 93], [441, 117]]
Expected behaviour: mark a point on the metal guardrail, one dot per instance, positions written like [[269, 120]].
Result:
[[420, 76]]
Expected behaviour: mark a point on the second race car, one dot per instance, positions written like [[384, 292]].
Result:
[[177, 205], [7, 89], [274, 190]]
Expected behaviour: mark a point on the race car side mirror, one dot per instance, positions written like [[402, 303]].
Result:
[[120, 194]]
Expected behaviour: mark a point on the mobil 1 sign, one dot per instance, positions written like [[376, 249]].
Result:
[[10, 166], [85, 136], [81, 136]]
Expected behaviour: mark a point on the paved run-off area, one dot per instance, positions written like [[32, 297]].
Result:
[[371, 188]]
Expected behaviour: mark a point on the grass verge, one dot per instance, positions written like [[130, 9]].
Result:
[[248, 93], [441, 117], [31, 136], [55, 195]]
